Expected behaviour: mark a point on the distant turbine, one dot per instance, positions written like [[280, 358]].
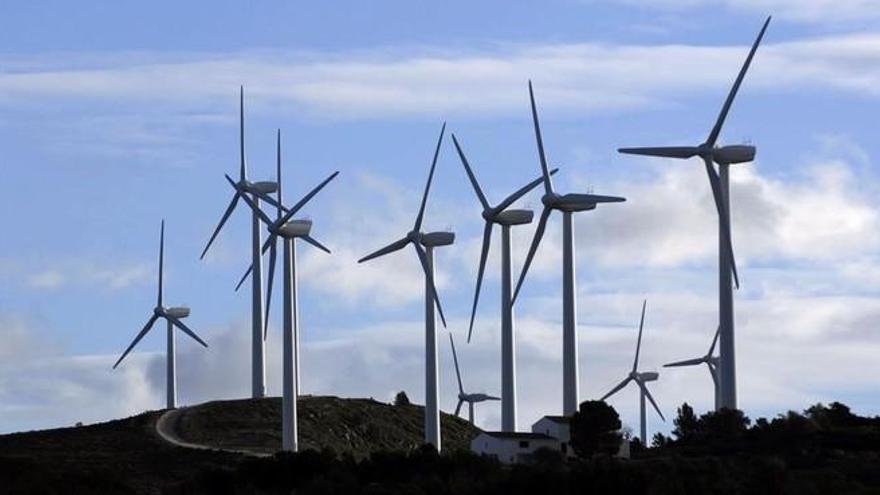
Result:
[[724, 156], [641, 379], [501, 215], [288, 230], [567, 204], [463, 397], [711, 362], [429, 241], [258, 190], [172, 316]]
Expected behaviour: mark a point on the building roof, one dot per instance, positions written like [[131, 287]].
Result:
[[559, 419], [518, 435]]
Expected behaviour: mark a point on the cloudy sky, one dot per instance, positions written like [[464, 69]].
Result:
[[116, 115]]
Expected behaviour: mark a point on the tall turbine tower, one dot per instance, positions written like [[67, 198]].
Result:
[[568, 204], [172, 317], [641, 380], [501, 215], [711, 361], [463, 396], [288, 230], [258, 191], [723, 156], [424, 244]]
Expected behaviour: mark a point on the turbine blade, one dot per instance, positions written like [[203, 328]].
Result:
[[247, 273], [458, 407], [161, 264], [269, 282], [716, 130], [223, 219], [536, 240], [714, 341], [394, 246], [548, 185], [686, 362], [651, 398], [314, 242], [270, 241], [421, 215], [137, 338], [423, 258], [683, 152], [280, 205], [308, 197], [251, 204], [723, 216], [617, 388], [455, 359], [271, 201], [243, 171], [470, 174], [522, 192], [484, 254], [179, 324], [639, 344]]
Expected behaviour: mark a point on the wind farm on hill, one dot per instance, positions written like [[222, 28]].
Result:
[[314, 443]]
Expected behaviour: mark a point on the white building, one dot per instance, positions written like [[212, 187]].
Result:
[[551, 432], [511, 447], [558, 428]]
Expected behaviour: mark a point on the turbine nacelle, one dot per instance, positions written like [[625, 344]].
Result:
[[434, 239], [173, 312], [264, 187], [295, 228], [511, 217], [737, 153], [648, 376], [574, 202]]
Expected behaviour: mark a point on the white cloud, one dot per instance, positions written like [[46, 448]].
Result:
[[49, 279], [814, 11], [580, 77]]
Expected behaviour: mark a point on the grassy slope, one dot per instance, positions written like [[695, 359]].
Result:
[[356, 426], [127, 456]]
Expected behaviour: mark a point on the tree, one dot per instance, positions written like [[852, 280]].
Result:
[[595, 428], [401, 399], [687, 424]]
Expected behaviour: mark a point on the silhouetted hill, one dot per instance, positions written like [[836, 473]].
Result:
[[128, 456], [354, 426]]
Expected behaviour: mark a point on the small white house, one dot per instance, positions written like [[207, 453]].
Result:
[[512, 447], [558, 428]]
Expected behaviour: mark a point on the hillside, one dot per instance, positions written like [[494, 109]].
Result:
[[128, 456]]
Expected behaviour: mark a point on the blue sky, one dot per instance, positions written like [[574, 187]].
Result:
[[115, 115]]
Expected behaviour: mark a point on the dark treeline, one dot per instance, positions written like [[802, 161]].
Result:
[[825, 449]]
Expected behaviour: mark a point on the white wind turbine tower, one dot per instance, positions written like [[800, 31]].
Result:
[[424, 244], [501, 215], [289, 231], [724, 156], [463, 397], [568, 204], [640, 379], [258, 191], [173, 317], [711, 361]]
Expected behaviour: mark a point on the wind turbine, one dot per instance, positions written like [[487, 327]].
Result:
[[568, 204], [258, 191], [640, 379], [173, 317], [463, 397], [501, 215], [424, 244], [724, 156], [288, 230], [711, 362]]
